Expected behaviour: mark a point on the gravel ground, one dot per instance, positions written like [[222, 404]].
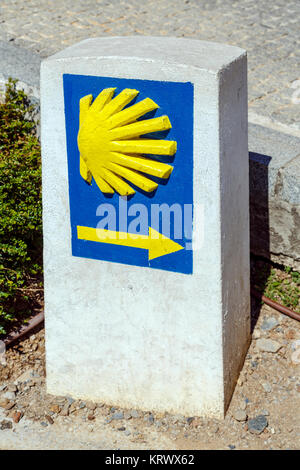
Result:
[[269, 31], [264, 412]]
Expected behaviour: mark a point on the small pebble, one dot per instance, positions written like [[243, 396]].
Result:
[[70, 400], [9, 405], [268, 345], [5, 425], [9, 395], [240, 415], [17, 415], [72, 408], [269, 323], [91, 406], [65, 410], [295, 345], [55, 409], [256, 334], [49, 419], [267, 387], [4, 402], [258, 424], [295, 357], [290, 334]]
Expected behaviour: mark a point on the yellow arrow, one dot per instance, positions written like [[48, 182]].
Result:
[[156, 243]]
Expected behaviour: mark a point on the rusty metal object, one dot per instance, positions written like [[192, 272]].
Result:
[[16, 335], [281, 308]]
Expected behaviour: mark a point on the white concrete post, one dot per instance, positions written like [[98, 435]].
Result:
[[127, 325]]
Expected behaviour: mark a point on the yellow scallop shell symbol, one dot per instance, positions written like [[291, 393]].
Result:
[[110, 144]]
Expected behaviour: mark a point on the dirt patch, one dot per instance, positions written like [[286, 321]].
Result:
[[264, 411]]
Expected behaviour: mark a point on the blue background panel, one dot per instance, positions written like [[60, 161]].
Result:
[[175, 99]]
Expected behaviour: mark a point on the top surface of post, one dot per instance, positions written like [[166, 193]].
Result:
[[210, 56]]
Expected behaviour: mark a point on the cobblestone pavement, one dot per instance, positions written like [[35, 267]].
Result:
[[268, 30]]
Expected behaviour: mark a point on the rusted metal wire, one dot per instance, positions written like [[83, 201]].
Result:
[[281, 308], [16, 335]]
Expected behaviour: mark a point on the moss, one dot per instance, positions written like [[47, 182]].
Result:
[[279, 283]]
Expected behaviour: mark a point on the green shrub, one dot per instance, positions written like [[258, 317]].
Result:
[[20, 207]]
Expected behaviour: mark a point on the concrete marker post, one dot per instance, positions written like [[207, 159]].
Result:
[[160, 327]]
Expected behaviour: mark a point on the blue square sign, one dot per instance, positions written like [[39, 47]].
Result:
[[130, 168]]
